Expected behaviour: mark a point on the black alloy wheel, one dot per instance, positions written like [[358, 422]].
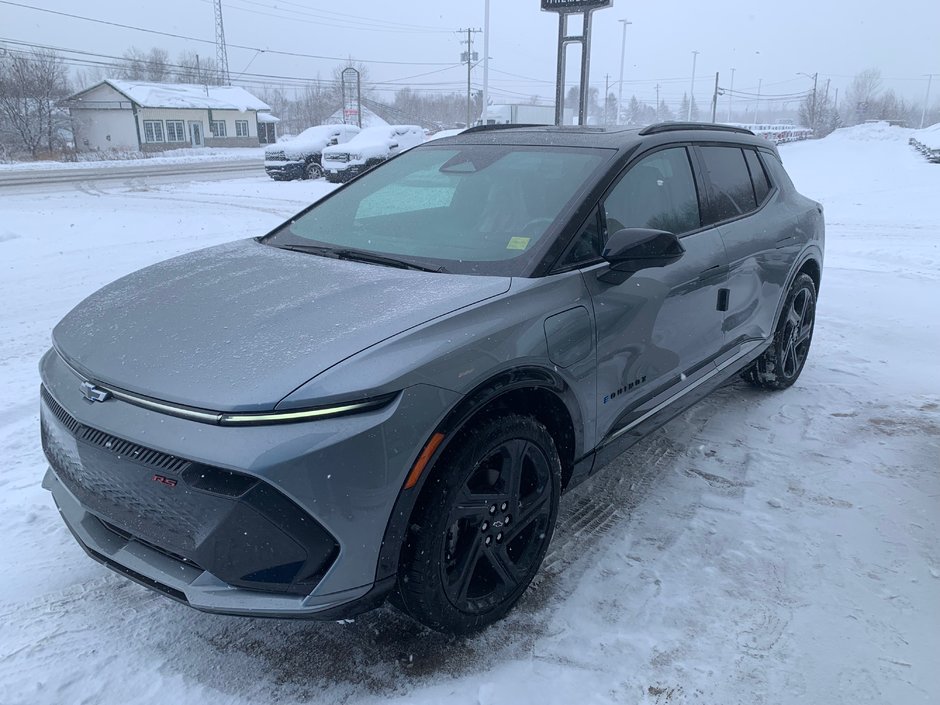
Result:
[[482, 526], [781, 365], [313, 171]]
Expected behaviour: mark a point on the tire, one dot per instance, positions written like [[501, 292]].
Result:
[[482, 525], [781, 365], [313, 171]]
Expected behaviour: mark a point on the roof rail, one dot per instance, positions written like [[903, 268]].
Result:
[[502, 126], [676, 126]]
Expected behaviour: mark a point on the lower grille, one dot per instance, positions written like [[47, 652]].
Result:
[[235, 526]]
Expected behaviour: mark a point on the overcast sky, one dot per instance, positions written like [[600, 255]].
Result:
[[837, 38]]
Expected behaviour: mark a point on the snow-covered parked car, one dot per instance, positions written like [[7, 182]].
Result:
[[299, 158], [370, 147]]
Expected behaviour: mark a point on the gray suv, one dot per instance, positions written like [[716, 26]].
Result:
[[387, 395]]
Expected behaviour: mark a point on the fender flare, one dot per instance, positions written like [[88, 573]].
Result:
[[481, 396]]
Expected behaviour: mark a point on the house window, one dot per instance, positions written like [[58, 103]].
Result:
[[218, 128], [241, 128], [153, 130], [175, 131]]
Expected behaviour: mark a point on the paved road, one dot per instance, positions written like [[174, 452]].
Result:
[[208, 170]]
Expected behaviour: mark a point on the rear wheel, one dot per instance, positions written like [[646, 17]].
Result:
[[781, 365], [313, 171], [482, 525]]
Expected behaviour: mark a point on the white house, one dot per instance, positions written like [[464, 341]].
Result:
[[149, 117]]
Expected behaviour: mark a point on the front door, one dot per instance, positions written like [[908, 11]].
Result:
[[659, 329], [195, 133]]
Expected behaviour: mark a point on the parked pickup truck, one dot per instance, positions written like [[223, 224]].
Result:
[[370, 147], [299, 158]]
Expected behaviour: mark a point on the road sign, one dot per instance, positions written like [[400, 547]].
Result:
[[574, 5]]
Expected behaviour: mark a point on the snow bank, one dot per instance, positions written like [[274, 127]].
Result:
[[929, 136], [871, 132], [175, 156]]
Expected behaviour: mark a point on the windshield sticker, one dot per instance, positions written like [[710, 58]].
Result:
[[518, 243]]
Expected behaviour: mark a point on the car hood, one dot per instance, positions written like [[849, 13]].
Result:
[[239, 326]]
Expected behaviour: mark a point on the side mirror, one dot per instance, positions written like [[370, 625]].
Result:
[[632, 249]]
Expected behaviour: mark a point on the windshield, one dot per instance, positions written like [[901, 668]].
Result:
[[479, 209]]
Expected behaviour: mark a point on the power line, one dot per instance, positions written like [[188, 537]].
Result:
[[208, 41], [319, 20]]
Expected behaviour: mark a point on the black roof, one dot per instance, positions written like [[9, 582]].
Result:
[[611, 137]]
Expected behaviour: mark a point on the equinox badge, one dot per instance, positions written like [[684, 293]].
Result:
[[93, 393]]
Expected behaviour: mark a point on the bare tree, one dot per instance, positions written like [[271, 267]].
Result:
[[192, 68], [31, 86], [862, 96], [139, 65]]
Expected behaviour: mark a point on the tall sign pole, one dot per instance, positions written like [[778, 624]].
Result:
[[566, 8]]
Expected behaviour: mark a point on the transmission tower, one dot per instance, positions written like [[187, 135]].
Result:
[[221, 55]]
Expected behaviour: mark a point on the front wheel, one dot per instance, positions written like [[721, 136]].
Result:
[[313, 171], [482, 525], [781, 365]]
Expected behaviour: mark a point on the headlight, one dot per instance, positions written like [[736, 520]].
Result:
[[355, 157], [312, 414]]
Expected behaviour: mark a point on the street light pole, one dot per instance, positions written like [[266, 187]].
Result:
[[692, 91], [730, 91], [486, 59], [623, 47]]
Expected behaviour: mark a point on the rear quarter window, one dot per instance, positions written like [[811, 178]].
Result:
[[758, 175]]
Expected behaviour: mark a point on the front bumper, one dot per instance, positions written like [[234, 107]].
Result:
[[278, 521], [342, 175], [284, 170]]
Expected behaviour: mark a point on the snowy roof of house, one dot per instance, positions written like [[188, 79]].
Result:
[[187, 95], [267, 117]]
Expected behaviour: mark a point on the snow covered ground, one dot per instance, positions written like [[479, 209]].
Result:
[[191, 155], [761, 548]]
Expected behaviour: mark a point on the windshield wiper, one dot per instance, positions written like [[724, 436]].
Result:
[[375, 258], [361, 256]]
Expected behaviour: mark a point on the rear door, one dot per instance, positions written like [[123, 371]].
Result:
[[757, 234], [658, 330]]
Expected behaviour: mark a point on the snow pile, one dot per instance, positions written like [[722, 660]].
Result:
[[187, 95], [871, 132], [929, 136], [95, 160]]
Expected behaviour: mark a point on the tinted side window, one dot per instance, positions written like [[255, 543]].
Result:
[[758, 175], [731, 194], [657, 192]]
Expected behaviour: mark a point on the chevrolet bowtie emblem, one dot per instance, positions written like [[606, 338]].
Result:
[[93, 393]]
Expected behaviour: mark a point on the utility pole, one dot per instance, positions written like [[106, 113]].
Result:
[[623, 47], [606, 92], [221, 54], [469, 56], [692, 91], [658, 115], [814, 116], [730, 91], [757, 107], [486, 58], [923, 115], [714, 99]]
